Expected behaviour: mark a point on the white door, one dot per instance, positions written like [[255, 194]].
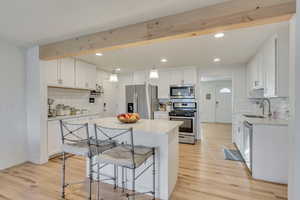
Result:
[[207, 106], [223, 106]]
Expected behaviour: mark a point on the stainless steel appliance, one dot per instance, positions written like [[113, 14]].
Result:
[[182, 92], [185, 111], [142, 99], [247, 144]]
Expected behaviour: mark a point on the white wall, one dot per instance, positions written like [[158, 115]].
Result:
[[36, 105], [13, 144], [294, 126], [238, 75]]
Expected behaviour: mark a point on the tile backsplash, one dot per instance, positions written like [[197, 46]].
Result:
[[75, 98], [279, 107]]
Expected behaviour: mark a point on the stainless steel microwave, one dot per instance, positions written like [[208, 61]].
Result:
[[182, 92]]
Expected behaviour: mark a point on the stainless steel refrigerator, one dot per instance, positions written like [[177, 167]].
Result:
[[142, 99]]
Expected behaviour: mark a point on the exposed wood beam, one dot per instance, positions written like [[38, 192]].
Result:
[[220, 17]]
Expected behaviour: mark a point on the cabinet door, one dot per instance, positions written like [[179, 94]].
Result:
[[270, 67], [86, 75], [260, 71], [67, 72], [80, 74], [91, 76], [139, 77], [51, 69], [164, 85], [54, 138], [176, 77], [190, 76]]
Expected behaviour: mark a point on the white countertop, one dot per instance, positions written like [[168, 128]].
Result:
[[72, 116], [143, 125], [267, 121]]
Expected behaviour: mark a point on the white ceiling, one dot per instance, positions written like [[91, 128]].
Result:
[[237, 47], [28, 22]]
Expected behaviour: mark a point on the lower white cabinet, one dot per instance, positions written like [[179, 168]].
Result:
[[54, 138]]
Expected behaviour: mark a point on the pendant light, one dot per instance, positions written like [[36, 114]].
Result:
[[153, 74], [113, 77]]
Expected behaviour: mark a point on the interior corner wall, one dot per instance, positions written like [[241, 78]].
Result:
[[13, 140], [36, 107]]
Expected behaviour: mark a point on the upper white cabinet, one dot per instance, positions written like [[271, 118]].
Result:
[[67, 72], [190, 76], [51, 70], [60, 72], [140, 77], [268, 70], [70, 74], [164, 85], [85, 75], [175, 77]]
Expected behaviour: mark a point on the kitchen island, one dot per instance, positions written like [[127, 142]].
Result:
[[161, 134]]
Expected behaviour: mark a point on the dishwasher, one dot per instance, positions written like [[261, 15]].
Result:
[[247, 144]]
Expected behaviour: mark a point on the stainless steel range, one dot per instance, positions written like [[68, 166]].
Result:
[[185, 110]]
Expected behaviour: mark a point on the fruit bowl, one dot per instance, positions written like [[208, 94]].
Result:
[[129, 117]]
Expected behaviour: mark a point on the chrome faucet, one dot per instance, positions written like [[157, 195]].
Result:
[[262, 105]]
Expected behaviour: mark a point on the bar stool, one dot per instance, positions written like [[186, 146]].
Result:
[[76, 140], [125, 155]]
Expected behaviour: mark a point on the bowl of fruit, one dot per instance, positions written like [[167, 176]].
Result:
[[129, 117]]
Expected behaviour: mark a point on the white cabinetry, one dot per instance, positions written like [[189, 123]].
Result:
[[268, 69], [190, 76], [51, 70], [164, 85], [54, 138], [140, 77], [60, 73], [175, 77], [67, 72], [86, 75]]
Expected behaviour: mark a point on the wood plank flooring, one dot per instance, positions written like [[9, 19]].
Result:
[[203, 175]]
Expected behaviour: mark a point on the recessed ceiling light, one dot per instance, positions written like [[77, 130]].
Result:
[[164, 60], [99, 54], [217, 60], [219, 35], [118, 69]]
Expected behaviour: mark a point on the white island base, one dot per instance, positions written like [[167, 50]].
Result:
[[163, 135]]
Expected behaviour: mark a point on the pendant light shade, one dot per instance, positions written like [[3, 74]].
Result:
[[113, 78], [153, 74]]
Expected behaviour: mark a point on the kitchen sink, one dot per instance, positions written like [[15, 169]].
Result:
[[254, 116]]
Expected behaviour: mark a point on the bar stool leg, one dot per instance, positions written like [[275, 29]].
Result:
[[123, 180], [98, 179], [153, 173], [133, 183], [115, 176], [90, 177], [63, 175]]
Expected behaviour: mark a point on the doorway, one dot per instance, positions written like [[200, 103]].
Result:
[[216, 101]]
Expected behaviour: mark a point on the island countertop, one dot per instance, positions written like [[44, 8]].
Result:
[[143, 125]]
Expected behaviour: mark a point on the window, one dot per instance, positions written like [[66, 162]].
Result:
[[225, 91]]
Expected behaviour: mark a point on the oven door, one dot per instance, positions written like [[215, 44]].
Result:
[[188, 125], [182, 92]]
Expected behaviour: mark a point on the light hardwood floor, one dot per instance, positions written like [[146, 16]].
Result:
[[203, 175]]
